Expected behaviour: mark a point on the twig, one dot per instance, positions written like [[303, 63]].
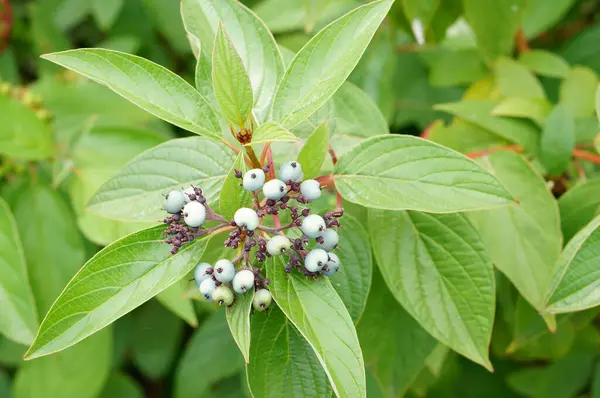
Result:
[[590, 157], [521, 42], [478, 154], [6, 23], [325, 181], [332, 154]]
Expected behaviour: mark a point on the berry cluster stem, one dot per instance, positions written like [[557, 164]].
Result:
[[253, 158]]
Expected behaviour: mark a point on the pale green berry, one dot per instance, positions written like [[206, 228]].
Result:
[[310, 189], [278, 244], [330, 240], [200, 273], [243, 281], [194, 214], [174, 202], [315, 260], [274, 189], [223, 295], [207, 288], [224, 271], [332, 265], [262, 300], [253, 180], [246, 217], [291, 171], [313, 226]]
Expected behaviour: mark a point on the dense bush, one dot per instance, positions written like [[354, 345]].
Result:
[[397, 198]]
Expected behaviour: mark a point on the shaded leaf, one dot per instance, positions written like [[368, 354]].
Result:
[[545, 63], [314, 152], [515, 80], [120, 385], [238, 319], [558, 140], [578, 206], [172, 298], [578, 91]]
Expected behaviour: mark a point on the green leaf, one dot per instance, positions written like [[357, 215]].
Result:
[[249, 35], [203, 78], [271, 131], [545, 63], [233, 195], [5, 386], [121, 385], [437, 267], [478, 113], [22, 134], [314, 152], [534, 109], [230, 81], [420, 10], [596, 382], [464, 137], [353, 279], [172, 298], [525, 261], [540, 15], [105, 12], [356, 114], [494, 23], [320, 316], [238, 319], [116, 280], [47, 228], [322, 65], [575, 284], [19, 317], [289, 368], [156, 339], [53, 376], [165, 15], [135, 193], [395, 345], [457, 67], [515, 80], [11, 353], [558, 140], [578, 206], [403, 172], [146, 84], [578, 91], [213, 353]]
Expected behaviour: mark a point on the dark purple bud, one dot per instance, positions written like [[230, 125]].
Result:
[[176, 217], [238, 174], [271, 202], [285, 199], [320, 239], [201, 199], [192, 196], [266, 168], [267, 281], [260, 213], [298, 222], [305, 212], [333, 223], [249, 233], [283, 206], [174, 250], [288, 268]]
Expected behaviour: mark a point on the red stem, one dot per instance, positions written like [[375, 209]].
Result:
[[521, 42], [590, 157], [332, 154], [6, 22], [478, 154]]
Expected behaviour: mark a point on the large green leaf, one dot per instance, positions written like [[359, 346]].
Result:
[[578, 206], [250, 37], [575, 283], [394, 344], [320, 316], [135, 193], [403, 172], [146, 84], [289, 367], [53, 376], [545, 63], [210, 355], [515, 80], [230, 80], [353, 279], [529, 233], [271, 131], [121, 386], [494, 23], [19, 317], [22, 134], [323, 64], [578, 91], [437, 267], [314, 152], [238, 319], [172, 298], [118, 279], [558, 140]]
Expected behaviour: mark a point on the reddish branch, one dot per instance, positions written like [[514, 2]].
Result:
[[590, 157], [332, 154], [521, 42], [478, 154], [6, 22]]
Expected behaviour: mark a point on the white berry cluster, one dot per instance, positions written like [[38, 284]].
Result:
[[254, 241]]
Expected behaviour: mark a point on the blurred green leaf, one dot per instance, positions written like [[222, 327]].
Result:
[[106, 12], [578, 206], [172, 298], [394, 344], [596, 382], [5, 385], [545, 63], [289, 368], [515, 80], [540, 15], [72, 12], [457, 67], [136, 267], [314, 151], [120, 385], [11, 353], [578, 91], [172, 165], [166, 16], [529, 108], [19, 316], [238, 319], [464, 137], [212, 353], [233, 196], [558, 140]]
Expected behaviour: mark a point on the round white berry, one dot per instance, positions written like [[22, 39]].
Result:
[[330, 240], [246, 217], [174, 202], [311, 189], [274, 189], [262, 300], [200, 273], [224, 271], [278, 244], [313, 226], [207, 288], [291, 171], [188, 191], [194, 214], [316, 260], [223, 295], [253, 180], [332, 265], [243, 281]]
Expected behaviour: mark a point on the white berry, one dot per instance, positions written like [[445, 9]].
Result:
[[223, 295], [246, 217], [316, 260], [194, 214], [243, 281], [224, 271], [200, 273], [330, 240], [253, 180], [174, 202], [278, 244], [313, 226], [207, 288], [332, 265], [274, 189], [291, 171], [310, 189], [262, 300]]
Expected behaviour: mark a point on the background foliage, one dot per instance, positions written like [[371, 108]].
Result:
[[488, 78]]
